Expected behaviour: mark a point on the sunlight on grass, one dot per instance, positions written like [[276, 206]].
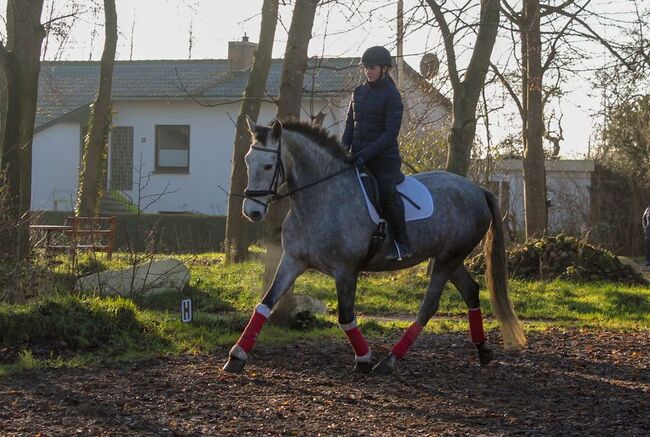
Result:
[[25, 362], [96, 330]]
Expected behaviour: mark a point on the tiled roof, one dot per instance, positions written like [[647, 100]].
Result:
[[65, 86]]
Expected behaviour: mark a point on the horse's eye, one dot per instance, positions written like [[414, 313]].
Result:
[[268, 167]]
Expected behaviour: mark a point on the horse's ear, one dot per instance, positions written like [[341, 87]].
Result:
[[251, 124], [277, 129]]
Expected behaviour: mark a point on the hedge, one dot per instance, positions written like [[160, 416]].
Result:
[[180, 233]]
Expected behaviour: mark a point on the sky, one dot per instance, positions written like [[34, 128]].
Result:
[[160, 29]]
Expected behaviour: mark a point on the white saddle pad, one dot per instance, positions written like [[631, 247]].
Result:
[[414, 190]]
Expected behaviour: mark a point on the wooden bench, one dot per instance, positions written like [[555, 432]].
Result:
[[96, 234]]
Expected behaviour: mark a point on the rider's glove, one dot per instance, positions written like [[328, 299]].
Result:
[[354, 158]]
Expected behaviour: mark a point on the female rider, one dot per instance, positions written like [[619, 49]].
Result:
[[371, 128]]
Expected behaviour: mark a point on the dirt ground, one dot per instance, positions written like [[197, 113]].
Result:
[[568, 382]]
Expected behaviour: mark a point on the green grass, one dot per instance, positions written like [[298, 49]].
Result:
[[103, 329]]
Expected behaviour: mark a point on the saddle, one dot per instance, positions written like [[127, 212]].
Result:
[[418, 204]]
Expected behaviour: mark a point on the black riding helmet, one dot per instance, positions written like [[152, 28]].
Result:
[[376, 55]]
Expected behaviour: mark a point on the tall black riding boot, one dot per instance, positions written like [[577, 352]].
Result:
[[393, 211], [401, 248]]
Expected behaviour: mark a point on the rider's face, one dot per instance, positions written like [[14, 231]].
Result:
[[373, 72]]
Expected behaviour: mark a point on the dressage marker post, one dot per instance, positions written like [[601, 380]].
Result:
[[186, 310]]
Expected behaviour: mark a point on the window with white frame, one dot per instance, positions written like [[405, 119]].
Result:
[[173, 148]]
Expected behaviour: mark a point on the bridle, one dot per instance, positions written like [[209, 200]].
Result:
[[275, 181]]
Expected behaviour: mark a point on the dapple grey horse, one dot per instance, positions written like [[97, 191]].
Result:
[[329, 229]]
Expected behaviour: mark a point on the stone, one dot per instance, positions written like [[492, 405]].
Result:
[[631, 263], [149, 277], [303, 303]]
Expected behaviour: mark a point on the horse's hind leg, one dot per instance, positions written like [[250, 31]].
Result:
[[428, 307], [288, 270], [469, 290], [346, 287]]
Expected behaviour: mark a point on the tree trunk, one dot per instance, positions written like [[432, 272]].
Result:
[[20, 62], [290, 99], [237, 228], [461, 135], [295, 59], [93, 166], [467, 92], [534, 171]]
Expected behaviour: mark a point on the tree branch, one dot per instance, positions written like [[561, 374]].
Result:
[[593, 34], [509, 88], [509, 12], [62, 17], [479, 62], [560, 34], [449, 44], [551, 9]]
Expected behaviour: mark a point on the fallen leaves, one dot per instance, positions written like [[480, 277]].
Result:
[[574, 381]]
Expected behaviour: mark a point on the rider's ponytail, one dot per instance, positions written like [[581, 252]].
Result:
[[390, 78]]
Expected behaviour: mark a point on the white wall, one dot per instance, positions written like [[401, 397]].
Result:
[[568, 191], [211, 140], [55, 167], [570, 201]]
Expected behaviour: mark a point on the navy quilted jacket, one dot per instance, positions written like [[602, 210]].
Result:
[[373, 121]]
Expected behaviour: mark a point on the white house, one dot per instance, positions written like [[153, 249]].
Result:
[[568, 185], [173, 124]]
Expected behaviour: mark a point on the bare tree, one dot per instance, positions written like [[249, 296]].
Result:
[[289, 104], [548, 48], [93, 167], [236, 243], [19, 70], [466, 91]]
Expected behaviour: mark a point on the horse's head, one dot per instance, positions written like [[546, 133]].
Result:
[[265, 169]]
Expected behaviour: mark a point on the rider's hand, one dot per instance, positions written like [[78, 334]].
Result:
[[354, 158]]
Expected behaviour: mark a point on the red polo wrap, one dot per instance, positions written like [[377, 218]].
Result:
[[476, 326], [407, 340], [357, 342], [247, 339]]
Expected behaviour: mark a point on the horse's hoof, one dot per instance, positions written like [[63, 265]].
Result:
[[485, 354], [234, 365], [386, 365], [362, 368]]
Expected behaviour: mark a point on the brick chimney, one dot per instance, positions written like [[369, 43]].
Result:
[[241, 54]]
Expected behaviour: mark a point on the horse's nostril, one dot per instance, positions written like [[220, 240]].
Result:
[[256, 214]]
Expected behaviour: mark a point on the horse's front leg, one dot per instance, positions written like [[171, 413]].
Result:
[[288, 270], [346, 288]]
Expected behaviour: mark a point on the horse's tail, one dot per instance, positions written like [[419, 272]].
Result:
[[497, 280]]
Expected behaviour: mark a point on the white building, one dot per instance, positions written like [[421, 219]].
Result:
[[173, 124], [568, 185]]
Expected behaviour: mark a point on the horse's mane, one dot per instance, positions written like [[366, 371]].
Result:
[[317, 135]]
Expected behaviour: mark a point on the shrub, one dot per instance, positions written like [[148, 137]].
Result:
[[77, 323], [562, 257]]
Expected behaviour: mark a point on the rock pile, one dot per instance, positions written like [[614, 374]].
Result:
[[563, 257]]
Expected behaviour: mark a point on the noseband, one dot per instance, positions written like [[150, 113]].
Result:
[[278, 173]]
